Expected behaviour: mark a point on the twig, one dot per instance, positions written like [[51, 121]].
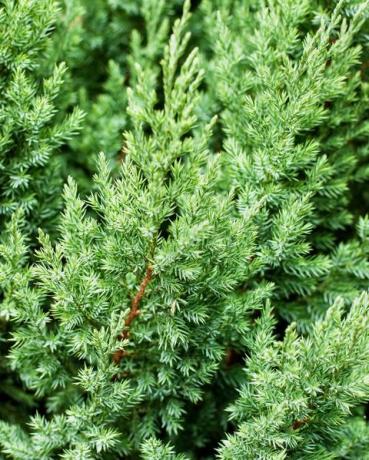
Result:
[[300, 423], [134, 312]]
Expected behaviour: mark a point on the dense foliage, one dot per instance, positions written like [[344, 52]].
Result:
[[199, 289]]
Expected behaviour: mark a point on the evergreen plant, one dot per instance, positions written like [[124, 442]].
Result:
[[204, 294]]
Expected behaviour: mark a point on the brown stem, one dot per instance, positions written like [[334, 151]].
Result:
[[122, 154], [134, 312], [300, 423], [232, 357]]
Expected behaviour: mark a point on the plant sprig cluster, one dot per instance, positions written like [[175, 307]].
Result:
[[184, 248]]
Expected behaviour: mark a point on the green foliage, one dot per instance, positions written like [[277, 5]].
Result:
[[298, 169], [33, 130], [162, 221], [30, 135], [300, 392], [138, 324], [155, 450], [102, 46]]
